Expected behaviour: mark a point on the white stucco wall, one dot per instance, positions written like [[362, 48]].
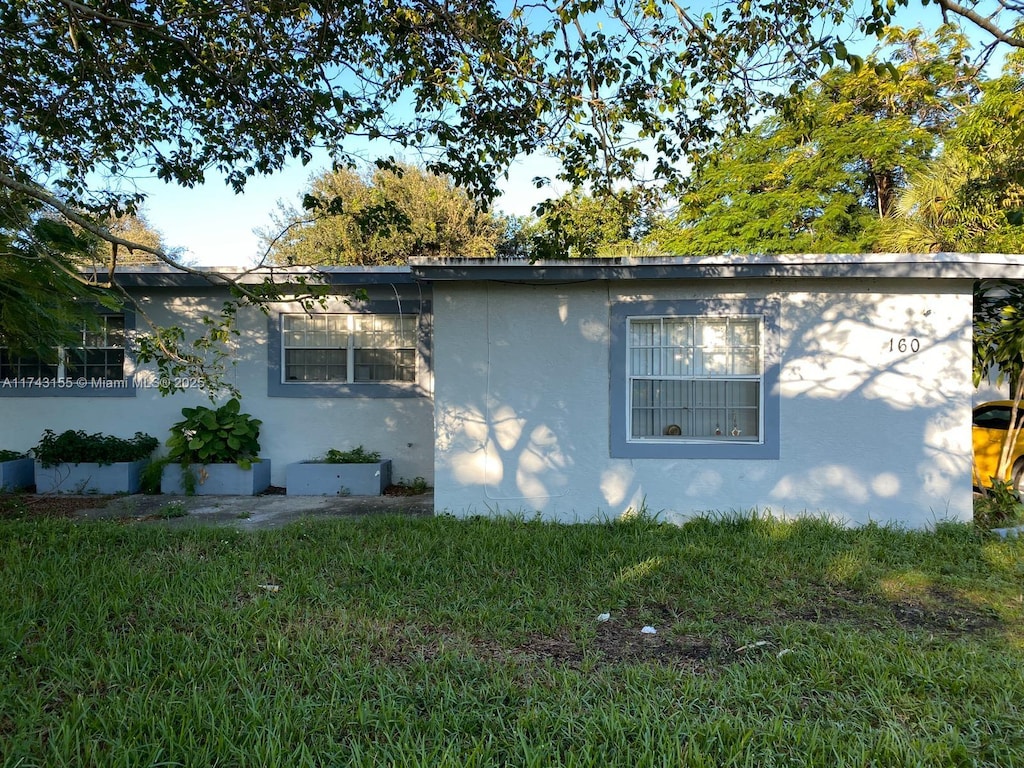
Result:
[[294, 429], [522, 404]]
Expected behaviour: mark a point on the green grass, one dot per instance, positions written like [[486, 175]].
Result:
[[436, 642]]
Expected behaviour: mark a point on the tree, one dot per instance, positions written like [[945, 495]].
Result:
[[577, 225], [822, 174], [43, 301], [381, 219], [94, 92], [134, 228], [971, 198]]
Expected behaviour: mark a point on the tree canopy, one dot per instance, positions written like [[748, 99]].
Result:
[[971, 198], [102, 90], [382, 218], [96, 93], [578, 225], [821, 175]]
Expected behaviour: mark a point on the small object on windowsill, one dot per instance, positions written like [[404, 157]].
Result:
[[718, 429], [673, 430], [736, 432]]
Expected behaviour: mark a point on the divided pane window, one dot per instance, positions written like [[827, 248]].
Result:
[[695, 379], [101, 354], [25, 366], [349, 348], [98, 355]]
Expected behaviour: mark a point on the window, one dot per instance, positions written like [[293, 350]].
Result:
[[25, 367], [94, 364], [379, 350], [349, 348], [995, 417], [694, 379], [99, 356]]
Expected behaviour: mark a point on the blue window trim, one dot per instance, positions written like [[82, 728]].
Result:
[[621, 447], [276, 387], [81, 387]]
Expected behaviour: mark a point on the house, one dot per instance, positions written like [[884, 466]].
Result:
[[301, 373], [835, 385]]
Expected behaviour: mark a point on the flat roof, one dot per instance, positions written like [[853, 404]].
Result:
[[815, 265], [972, 266], [164, 276]]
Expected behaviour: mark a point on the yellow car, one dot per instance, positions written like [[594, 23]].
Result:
[[991, 420]]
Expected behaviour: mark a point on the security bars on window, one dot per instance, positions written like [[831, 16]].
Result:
[[349, 348], [695, 379]]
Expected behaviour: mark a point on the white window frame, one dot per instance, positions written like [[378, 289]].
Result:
[[350, 331], [622, 445], [69, 381], [279, 386], [728, 424]]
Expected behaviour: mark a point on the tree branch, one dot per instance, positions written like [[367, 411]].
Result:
[[984, 23], [85, 223]]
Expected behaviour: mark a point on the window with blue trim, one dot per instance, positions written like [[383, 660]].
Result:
[[95, 364], [694, 379], [348, 348], [378, 351]]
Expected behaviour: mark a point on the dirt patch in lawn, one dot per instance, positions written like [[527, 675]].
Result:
[[621, 638], [941, 611], [24, 506]]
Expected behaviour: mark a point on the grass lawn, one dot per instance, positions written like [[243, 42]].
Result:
[[437, 642]]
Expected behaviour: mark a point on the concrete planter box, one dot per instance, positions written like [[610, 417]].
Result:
[[318, 479], [16, 474], [219, 479], [120, 477]]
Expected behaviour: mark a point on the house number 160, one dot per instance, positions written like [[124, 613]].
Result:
[[904, 345]]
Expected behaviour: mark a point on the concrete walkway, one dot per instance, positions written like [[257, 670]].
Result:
[[250, 513]]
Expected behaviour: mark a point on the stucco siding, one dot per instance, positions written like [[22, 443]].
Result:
[[294, 429], [874, 418]]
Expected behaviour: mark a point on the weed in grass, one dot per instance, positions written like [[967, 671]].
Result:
[[171, 511], [415, 487]]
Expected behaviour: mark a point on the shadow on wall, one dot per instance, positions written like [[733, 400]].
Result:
[[875, 419]]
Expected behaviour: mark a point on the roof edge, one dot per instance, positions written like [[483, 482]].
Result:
[[862, 265], [162, 276]]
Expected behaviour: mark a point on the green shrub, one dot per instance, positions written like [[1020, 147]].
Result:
[[357, 455], [215, 436], [78, 447], [997, 506], [6, 455]]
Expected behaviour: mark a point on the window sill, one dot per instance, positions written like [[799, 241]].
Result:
[[333, 389], [67, 388]]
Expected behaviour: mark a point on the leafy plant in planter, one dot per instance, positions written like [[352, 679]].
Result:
[[78, 447], [357, 455], [215, 436], [78, 462]]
